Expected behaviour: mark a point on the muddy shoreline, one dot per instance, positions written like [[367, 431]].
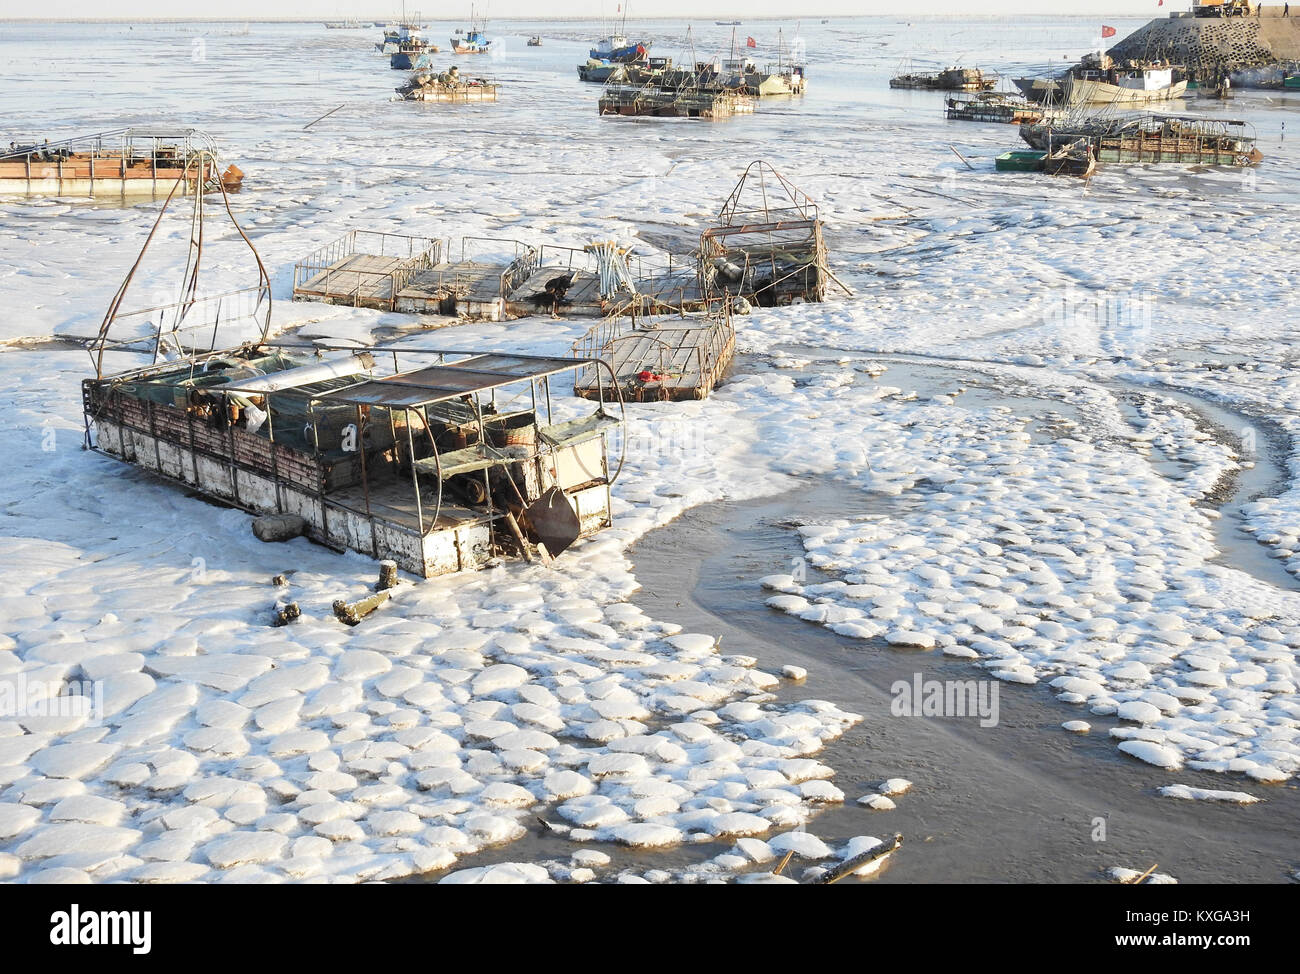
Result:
[[1018, 802]]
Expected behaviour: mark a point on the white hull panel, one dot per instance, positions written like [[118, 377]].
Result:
[[1099, 92]]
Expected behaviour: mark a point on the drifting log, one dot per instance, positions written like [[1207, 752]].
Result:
[[354, 612], [850, 866], [784, 862], [278, 527]]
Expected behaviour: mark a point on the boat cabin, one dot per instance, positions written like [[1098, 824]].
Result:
[[439, 460]]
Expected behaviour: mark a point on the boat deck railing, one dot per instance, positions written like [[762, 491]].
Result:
[[413, 253], [137, 142]]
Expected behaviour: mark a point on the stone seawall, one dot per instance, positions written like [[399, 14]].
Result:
[[1208, 46]]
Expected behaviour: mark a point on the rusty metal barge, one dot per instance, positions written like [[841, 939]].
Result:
[[437, 459]]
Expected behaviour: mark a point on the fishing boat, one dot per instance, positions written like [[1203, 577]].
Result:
[[615, 48], [744, 74], [405, 38], [639, 72], [1152, 138], [130, 161], [535, 41], [1139, 85], [408, 54], [727, 23], [440, 460], [618, 50], [1291, 81], [599, 72], [1098, 79], [949, 79], [472, 41], [343, 25]]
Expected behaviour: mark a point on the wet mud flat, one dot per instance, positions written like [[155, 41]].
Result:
[[1021, 801]]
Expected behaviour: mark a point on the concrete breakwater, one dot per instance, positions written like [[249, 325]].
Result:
[[1254, 47]]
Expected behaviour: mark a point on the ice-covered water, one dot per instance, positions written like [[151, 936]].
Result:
[[1075, 560]]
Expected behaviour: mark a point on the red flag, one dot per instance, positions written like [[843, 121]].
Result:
[[750, 42], [1107, 31]]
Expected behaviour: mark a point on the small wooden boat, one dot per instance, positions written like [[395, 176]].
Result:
[[1021, 160], [407, 56]]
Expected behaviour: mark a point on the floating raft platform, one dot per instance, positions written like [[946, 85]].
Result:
[[458, 94], [363, 269], [672, 360], [394, 272], [581, 300], [124, 162], [442, 88]]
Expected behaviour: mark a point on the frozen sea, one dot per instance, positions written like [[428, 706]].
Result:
[[1047, 443]]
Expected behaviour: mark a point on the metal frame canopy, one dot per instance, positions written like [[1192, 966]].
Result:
[[197, 319], [469, 375], [481, 372], [763, 196]]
